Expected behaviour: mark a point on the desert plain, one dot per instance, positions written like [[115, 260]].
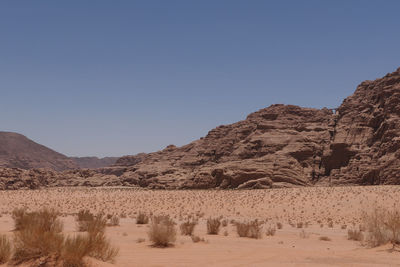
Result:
[[310, 224]]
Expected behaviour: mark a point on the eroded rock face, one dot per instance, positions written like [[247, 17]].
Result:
[[279, 146], [359, 143]]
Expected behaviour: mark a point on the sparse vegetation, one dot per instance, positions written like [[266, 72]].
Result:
[[5, 249], [354, 234], [162, 232], [114, 220], [197, 239], [187, 227], [142, 218], [383, 226], [213, 226], [40, 236], [249, 229]]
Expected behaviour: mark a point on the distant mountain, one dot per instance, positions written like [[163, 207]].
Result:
[[93, 162], [17, 151]]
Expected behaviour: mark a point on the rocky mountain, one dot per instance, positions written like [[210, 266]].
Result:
[[279, 146], [285, 145], [17, 151], [93, 162]]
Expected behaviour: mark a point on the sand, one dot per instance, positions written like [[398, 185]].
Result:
[[306, 214]]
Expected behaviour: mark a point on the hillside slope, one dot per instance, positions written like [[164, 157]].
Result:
[[17, 151]]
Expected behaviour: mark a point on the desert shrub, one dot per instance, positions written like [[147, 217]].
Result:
[[270, 231], [84, 218], [100, 247], [354, 234], [38, 236], [279, 225], [5, 249], [197, 239], [300, 225], [162, 232], [75, 249], [324, 238], [187, 227], [142, 218], [213, 226], [84, 215], [20, 218], [224, 223], [377, 233], [114, 220], [249, 229]]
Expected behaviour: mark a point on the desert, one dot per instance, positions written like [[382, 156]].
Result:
[[199, 133], [297, 217]]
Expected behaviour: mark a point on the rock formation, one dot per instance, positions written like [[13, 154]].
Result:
[[279, 146]]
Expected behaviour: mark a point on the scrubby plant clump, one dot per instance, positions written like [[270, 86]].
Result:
[[162, 232], [383, 226], [142, 218], [249, 229], [187, 228], [213, 226], [40, 236], [5, 249]]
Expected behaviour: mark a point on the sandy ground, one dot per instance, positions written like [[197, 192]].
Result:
[[322, 211]]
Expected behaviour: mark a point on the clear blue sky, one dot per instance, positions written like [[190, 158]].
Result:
[[121, 77]]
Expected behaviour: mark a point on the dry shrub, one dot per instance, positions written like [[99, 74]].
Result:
[[270, 231], [84, 218], [324, 238], [354, 234], [197, 239], [114, 220], [75, 249], [224, 223], [39, 235], [279, 225], [5, 249], [187, 227], [162, 232], [213, 226], [142, 218], [383, 226], [100, 247], [249, 229]]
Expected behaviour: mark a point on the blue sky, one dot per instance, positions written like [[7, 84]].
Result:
[[110, 78]]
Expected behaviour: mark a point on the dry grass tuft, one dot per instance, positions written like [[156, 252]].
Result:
[[250, 229], [40, 236], [5, 249], [197, 239], [355, 234], [213, 226], [142, 218], [162, 232], [114, 221], [383, 226], [187, 227]]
